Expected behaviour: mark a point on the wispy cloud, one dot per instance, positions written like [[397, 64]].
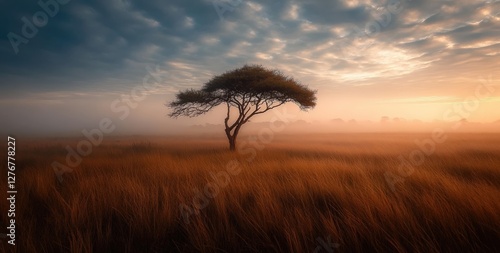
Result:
[[430, 47]]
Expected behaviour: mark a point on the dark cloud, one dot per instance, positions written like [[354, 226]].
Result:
[[106, 45]]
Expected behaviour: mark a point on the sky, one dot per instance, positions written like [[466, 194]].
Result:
[[67, 64]]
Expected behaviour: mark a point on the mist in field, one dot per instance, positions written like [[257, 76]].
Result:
[[69, 114], [347, 192], [250, 126]]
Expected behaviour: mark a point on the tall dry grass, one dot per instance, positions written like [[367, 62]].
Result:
[[295, 193]]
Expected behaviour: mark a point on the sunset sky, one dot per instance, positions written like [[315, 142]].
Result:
[[366, 58]]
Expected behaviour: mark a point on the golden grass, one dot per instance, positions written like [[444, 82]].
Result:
[[298, 190]]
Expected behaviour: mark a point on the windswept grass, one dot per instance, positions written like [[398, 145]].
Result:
[[297, 191]]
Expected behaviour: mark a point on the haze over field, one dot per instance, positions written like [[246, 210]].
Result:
[[299, 193], [250, 126], [417, 60]]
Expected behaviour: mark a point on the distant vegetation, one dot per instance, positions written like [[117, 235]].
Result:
[[126, 196]]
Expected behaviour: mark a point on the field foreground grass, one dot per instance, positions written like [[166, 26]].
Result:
[[308, 193]]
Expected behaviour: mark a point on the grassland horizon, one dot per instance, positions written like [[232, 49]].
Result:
[[250, 126], [295, 193]]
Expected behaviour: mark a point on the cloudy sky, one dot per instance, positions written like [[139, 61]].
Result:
[[66, 64]]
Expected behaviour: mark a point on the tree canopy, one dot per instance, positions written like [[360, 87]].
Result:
[[251, 90]]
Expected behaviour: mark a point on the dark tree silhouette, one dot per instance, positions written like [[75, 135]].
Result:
[[250, 90]]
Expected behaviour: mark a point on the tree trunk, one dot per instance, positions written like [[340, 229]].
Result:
[[232, 143], [232, 137]]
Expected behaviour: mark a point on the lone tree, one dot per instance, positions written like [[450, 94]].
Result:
[[249, 91]]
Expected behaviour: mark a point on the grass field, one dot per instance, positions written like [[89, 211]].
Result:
[[307, 193]]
